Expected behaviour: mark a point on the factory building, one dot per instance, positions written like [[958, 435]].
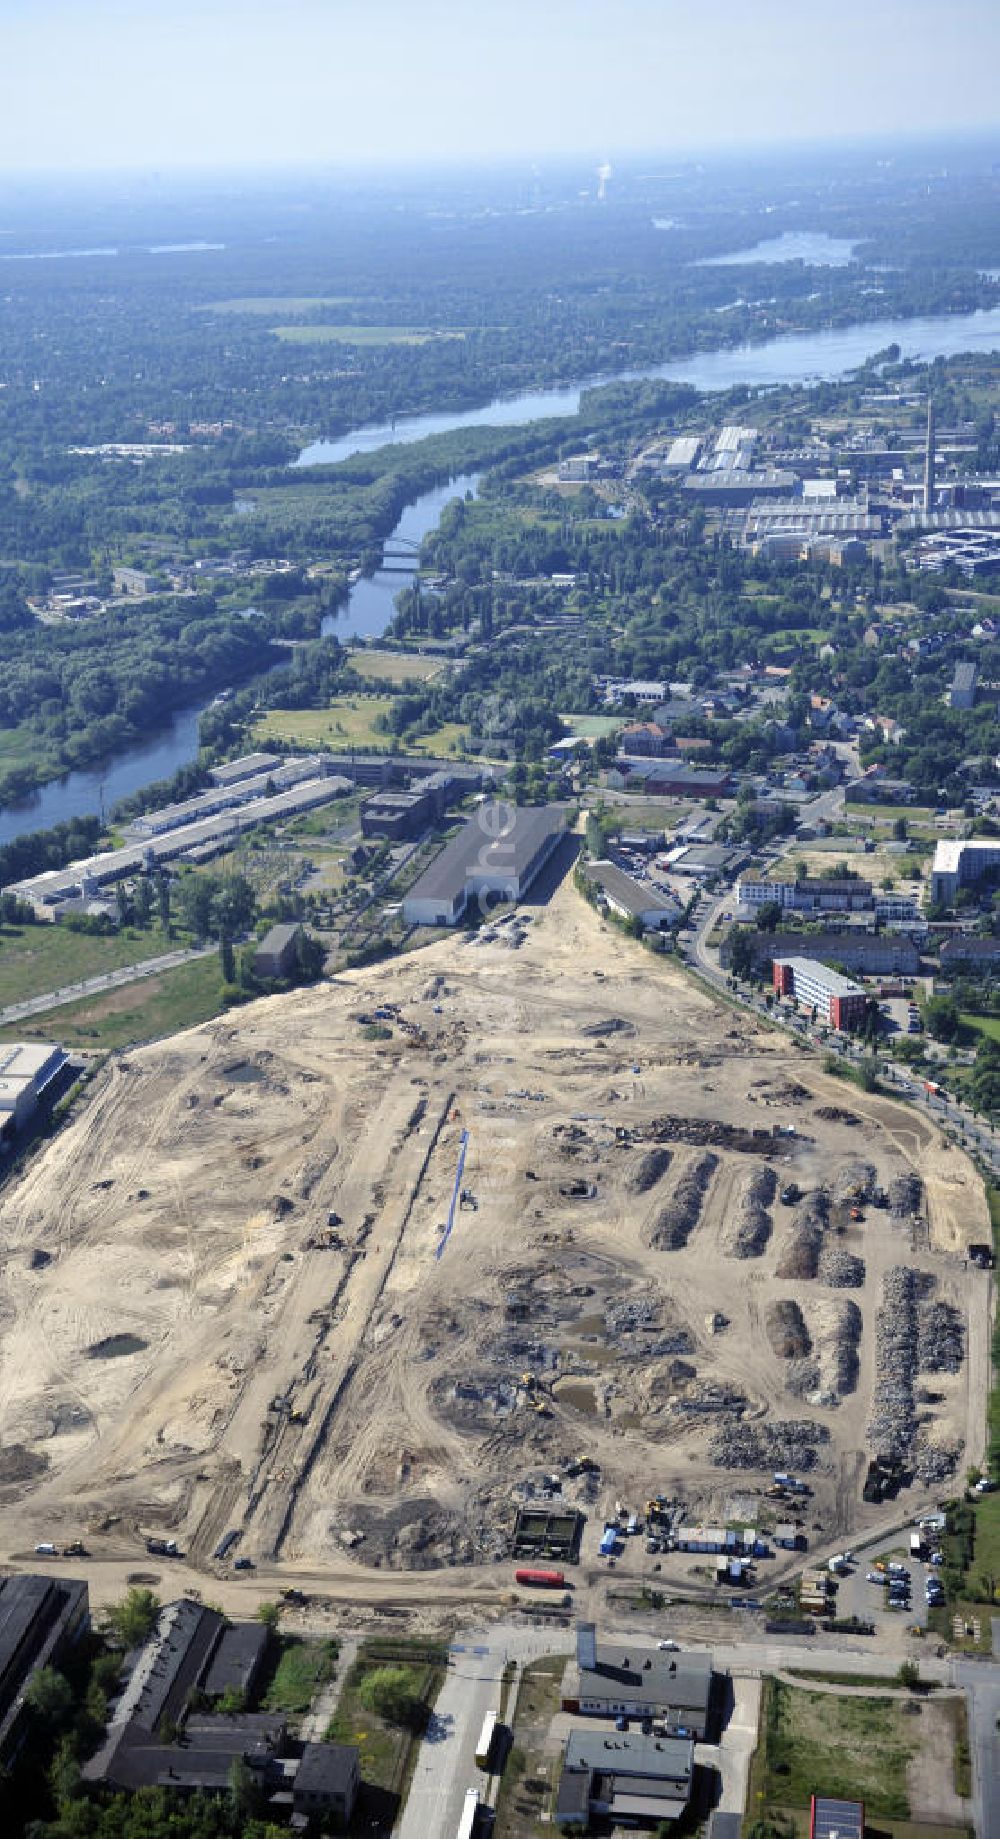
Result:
[[961, 864], [229, 795], [812, 985], [625, 1778], [611, 1680], [734, 486], [493, 860], [156, 1738], [41, 1621], [397, 815], [634, 900], [276, 954], [28, 1075], [47, 892]]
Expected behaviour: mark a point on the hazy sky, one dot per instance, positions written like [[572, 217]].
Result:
[[96, 83]]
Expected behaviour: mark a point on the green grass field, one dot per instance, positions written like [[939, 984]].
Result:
[[36, 959], [350, 721], [360, 335], [137, 1012], [988, 1025], [393, 666], [817, 1743], [304, 1667], [593, 727]]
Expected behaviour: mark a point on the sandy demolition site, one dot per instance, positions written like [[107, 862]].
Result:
[[188, 1344]]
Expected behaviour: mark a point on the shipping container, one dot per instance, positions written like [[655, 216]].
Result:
[[541, 1580]]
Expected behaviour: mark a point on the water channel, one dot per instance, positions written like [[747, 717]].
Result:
[[799, 357]]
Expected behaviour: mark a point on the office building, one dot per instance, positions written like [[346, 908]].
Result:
[[812, 985], [961, 864], [962, 694], [821, 894], [610, 1679]]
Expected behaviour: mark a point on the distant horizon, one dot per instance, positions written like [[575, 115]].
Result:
[[231, 85], [580, 162]]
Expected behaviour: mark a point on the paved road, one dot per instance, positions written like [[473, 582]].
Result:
[[94, 986], [446, 1765], [982, 1683]]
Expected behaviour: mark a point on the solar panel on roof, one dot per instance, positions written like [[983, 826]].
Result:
[[845, 1819]]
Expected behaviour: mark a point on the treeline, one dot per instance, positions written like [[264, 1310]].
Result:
[[77, 694]]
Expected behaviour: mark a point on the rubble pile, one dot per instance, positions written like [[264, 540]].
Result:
[[711, 1398], [941, 1338], [837, 1324], [935, 1462], [746, 1234], [892, 1426], [677, 1220], [786, 1443], [804, 1243], [702, 1131], [786, 1330], [856, 1181], [841, 1270], [648, 1171], [906, 1193]]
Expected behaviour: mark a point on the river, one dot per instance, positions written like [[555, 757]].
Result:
[[366, 614], [798, 357], [795, 357]]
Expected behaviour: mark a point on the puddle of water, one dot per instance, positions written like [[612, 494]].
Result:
[[578, 1394], [115, 1347]]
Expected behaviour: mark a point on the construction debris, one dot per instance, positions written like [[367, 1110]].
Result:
[[677, 1220], [800, 1258], [841, 1270], [648, 1171], [747, 1233], [785, 1443], [786, 1330]]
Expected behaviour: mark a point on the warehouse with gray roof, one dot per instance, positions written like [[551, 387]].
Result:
[[493, 859]]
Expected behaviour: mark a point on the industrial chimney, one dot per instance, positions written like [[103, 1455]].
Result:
[[929, 463]]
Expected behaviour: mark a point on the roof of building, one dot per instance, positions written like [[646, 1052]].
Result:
[[279, 937], [725, 1826], [648, 1676], [27, 1059], [831, 1819], [137, 1758], [949, 852], [964, 946], [237, 1657], [499, 839], [637, 897], [169, 1664], [327, 1768], [827, 978], [243, 768], [631, 1753], [34, 1611]]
